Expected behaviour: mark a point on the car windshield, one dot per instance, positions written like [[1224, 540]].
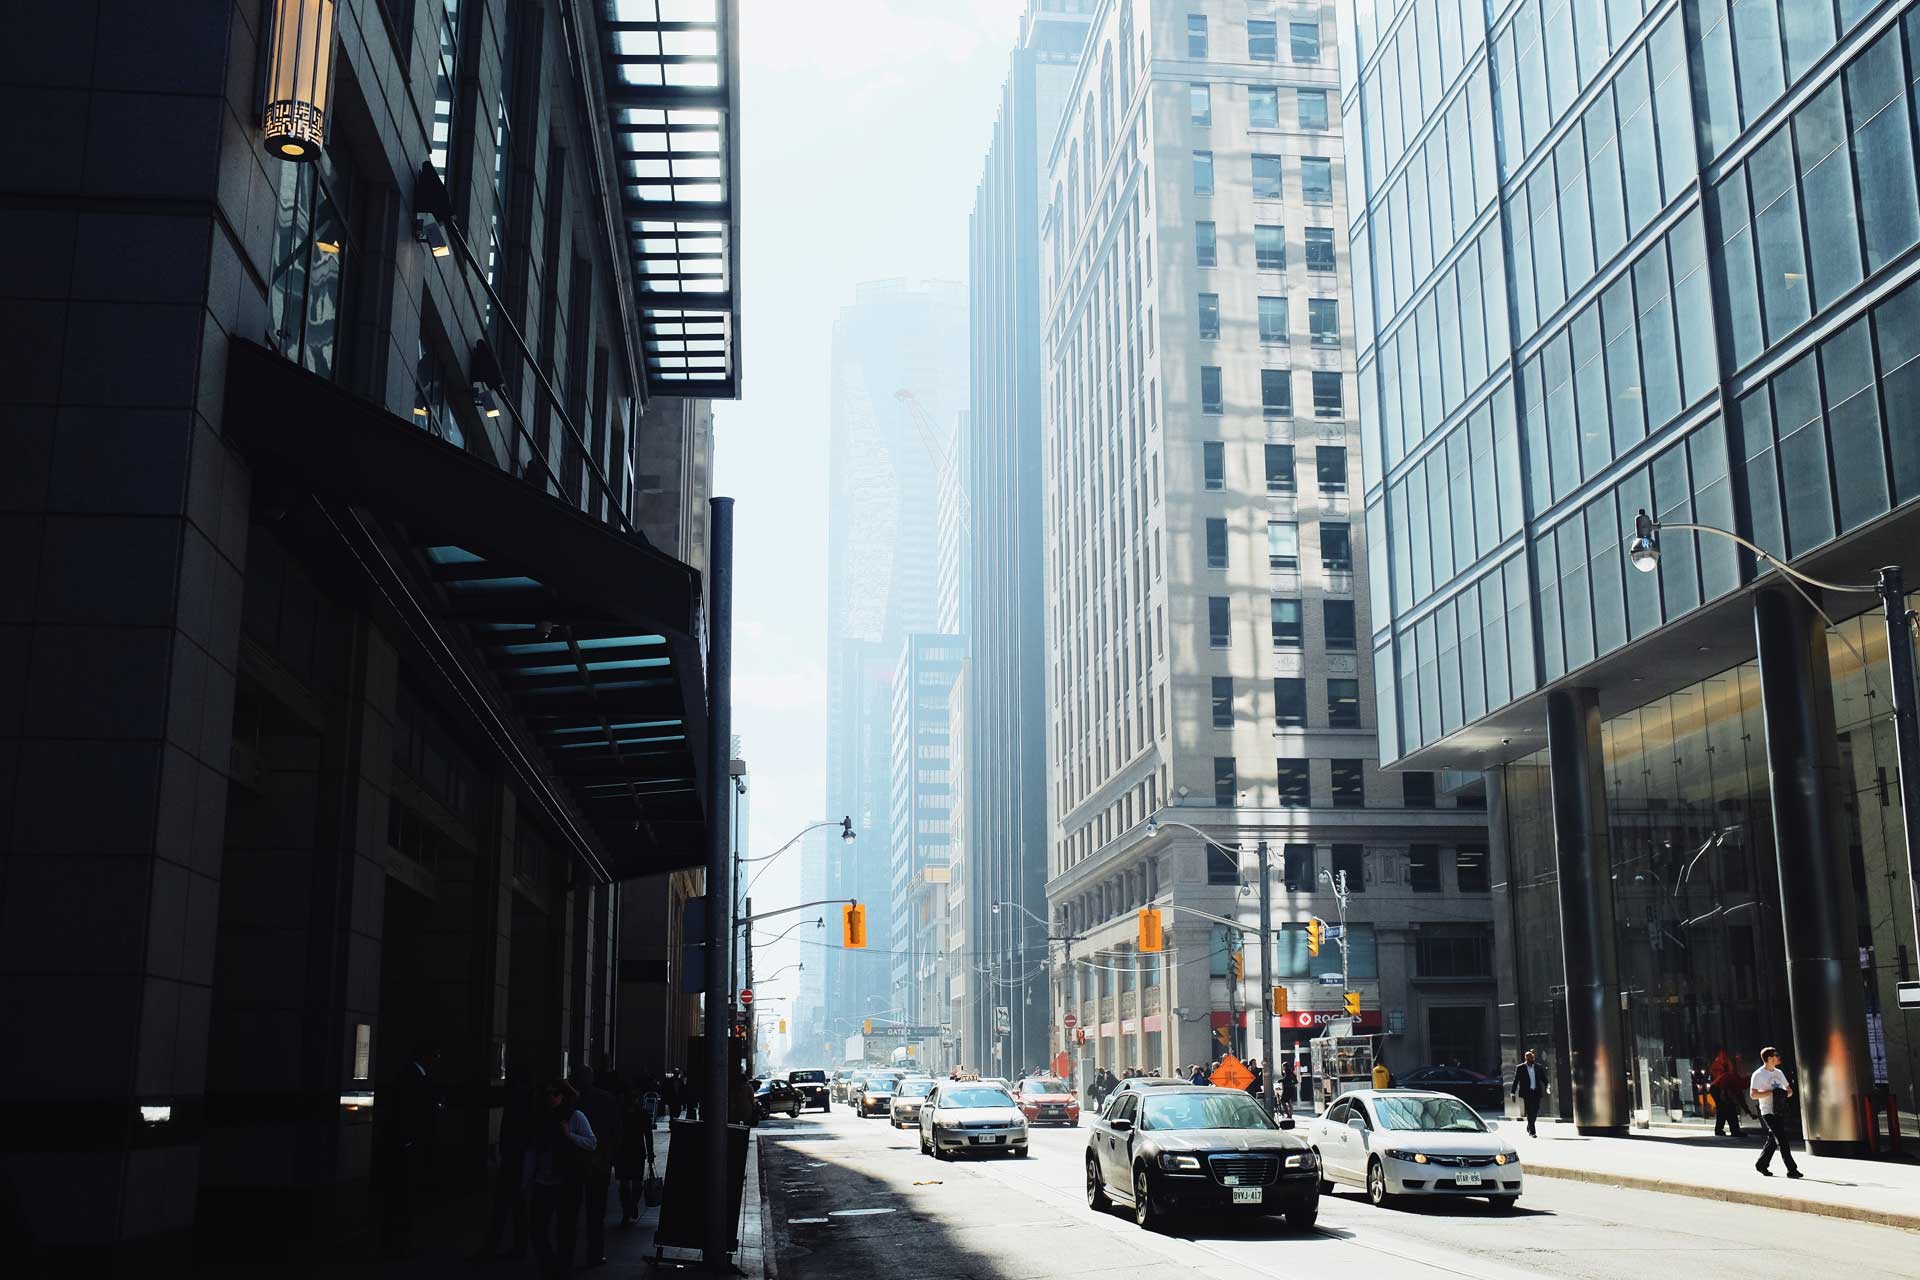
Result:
[[1431, 1115], [1047, 1086], [807, 1077], [975, 1096], [1223, 1110], [915, 1088], [882, 1084]]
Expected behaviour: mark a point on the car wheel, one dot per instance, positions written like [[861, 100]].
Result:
[[1021, 1152], [1144, 1214], [1504, 1204], [1377, 1186], [925, 1150], [1303, 1218], [1096, 1190], [1326, 1188]]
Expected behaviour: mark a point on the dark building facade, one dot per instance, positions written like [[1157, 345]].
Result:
[[1652, 256], [339, 684]]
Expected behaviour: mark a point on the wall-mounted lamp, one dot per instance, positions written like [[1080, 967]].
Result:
[[432, 211], [428, 231], [293, 124], [487, 379]]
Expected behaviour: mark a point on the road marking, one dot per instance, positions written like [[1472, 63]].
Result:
[[794, 1222], [856, 1213]]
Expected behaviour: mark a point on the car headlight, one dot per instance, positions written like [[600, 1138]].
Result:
[[1418, 1157], [1303, 1160], [1173, 1160], [1506, 1157]]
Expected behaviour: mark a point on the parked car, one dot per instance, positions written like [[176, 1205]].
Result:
[[1048, 1100], [772, 1097], [876, 1094], [1169, 1152], [1479, 1091], [812, 1086], [908, 1097], [971, 1115], [1412, 1142]]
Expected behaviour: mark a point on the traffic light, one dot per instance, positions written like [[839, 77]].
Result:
[[1316, 933], [1150, 936], [1239, 966], [853, 926], [1352, 1001], [1279, 1002], [783, 1026], [866, 1028], [910, 1052]]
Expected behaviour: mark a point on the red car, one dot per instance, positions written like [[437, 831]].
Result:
[[1047, 1100]]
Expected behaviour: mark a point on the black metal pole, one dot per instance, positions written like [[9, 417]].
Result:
[[719, 1229], [746, 952], [1266, 981], [1906, 724]]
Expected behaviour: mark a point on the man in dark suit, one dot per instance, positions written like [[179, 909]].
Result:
[[602, 1111], [1530, 1085]]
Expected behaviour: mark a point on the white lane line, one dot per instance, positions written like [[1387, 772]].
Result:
[[856, 1213]]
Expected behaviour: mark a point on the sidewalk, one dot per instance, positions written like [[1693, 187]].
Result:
[[1690, 1162], [754, 1259]]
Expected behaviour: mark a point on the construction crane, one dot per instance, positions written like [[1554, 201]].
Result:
[[942, 457]]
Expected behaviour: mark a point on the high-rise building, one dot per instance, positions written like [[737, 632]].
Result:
[[921, 833], [1206, 583], [1001, 761], [1627, 257], [882, 541]]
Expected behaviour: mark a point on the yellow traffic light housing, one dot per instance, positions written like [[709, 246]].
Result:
[[1151, 938], [1239, 966], [1316, 933], [853, 926], [1279, 1002], [1352, 1002], [783, 1026], [866, 1028]]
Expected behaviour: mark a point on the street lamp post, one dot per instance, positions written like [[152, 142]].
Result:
[[743, 910], [1066, 939], [1890, 586]]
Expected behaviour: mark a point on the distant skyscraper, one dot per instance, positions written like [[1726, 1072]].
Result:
[[920, 823], [1001, 763], [882, 540]]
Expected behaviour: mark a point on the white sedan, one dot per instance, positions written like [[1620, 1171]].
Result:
[[1407, 1142], [965, 1115]]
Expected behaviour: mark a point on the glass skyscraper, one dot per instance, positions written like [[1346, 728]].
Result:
[[1624, 255]]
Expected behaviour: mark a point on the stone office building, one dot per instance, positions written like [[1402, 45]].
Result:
[[341, 679]]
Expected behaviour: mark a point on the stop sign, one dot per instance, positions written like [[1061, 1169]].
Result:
[[746, 996], [1070, 1022]]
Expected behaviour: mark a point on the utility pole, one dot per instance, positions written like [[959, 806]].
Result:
[[718, 1236], [1266, 978], [1906, 726], [746, 952]]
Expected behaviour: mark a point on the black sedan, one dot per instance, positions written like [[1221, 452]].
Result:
[[1195, 1149], [776, 1096], [1481, 1092], [812, 1088]]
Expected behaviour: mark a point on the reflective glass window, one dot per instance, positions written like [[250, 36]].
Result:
[[1269, 248], [1883, 151], [1319, 246], [1276, 393], [1853, 425], [1207, 315], [1896, 327], [1213, 464], [1287, 628], [1693, 307], [1782, 259], [1826, 181], [1210, 393], [1745, 333], [1803, 456], [1263, 107], [1313, 108], [1200, 104], [1279, 460], [1206, 250], [1273, 319], [1316, 180], [1266, 177], [1756, 56], [1262, 42], [1290, 702], [1659, 358]]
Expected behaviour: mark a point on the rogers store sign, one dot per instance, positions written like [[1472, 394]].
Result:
[[1315, 1019]]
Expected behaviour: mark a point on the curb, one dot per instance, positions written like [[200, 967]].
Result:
[[1731, 1195], [769, 1245]]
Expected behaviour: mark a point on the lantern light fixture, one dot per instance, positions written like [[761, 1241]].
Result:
[[293, 124], [429, 231]]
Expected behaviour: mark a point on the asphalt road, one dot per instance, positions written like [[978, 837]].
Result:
[[854, 1199]]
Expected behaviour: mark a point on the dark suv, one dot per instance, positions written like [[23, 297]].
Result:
[[812, 1087]]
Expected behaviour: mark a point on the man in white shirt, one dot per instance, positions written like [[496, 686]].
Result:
[[1768, 1080]]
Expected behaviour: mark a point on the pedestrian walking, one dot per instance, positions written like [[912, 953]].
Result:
[[602, 1111], [408, 1145], [633, 1155], [517, 1118], [1723, 1078], [1199, 1075], [1289, 1090], [1530, 1085], [1255, 1086], [556, 1176], [1767, 1083]]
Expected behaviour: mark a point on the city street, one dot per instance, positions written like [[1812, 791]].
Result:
[[852, 1197]]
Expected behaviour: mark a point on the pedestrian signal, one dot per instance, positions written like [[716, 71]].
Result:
[[866, 1028], [1239, 965], [853, 927], [1316, 932], [1221, 1034], [1150, 936], [1352, 1002], [1279, 1002]]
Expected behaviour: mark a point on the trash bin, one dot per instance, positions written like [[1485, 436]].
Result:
[[682, 1207]]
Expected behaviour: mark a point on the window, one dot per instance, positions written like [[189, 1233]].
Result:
[[1223, 865], [1225, 785], [1336, 547], [1273, 319], [1296, 862], [1209, 314], [1330, 463], [1305, 38], [1290, 702], [1313, 107], [1263, 107], [1206, 248], [1200, 104], [1279, 468], [1203, 173], [1213, 464], [1266, 177], [1338, 616], [311, 251], [1423, 868], [1283, 545], [1323, 321], [1327, 402], [1349, 784], [1210, 394], [1453, 954], [1470, 866], [1269, 248], [1276, 393], [1216, 542], [1223, 702], [1263, 41], [446, 21], [1219, 627], [1417, 790], [1349, 860], [1296, 785], [1316, 180], [1343, 703], [1286, 624], [1320, 249], [1196, 35]]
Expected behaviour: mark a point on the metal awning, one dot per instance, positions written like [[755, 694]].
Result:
[[576, 647], [670, 70]]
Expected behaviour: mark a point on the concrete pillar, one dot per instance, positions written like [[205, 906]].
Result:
[[1817, 906], [1581, 849]]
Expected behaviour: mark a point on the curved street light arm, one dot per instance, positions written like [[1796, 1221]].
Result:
[[818, 922], [1004, 902]]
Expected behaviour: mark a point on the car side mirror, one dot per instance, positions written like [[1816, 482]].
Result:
[[1493, 1126], [1357, 1123], [1286, 1124], [1122, 1126]]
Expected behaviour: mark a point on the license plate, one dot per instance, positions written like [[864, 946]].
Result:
[[1247, 1195], [1465, 1179], [989, 1140]]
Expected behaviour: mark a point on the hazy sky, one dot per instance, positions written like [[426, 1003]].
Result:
[[864, 126]]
